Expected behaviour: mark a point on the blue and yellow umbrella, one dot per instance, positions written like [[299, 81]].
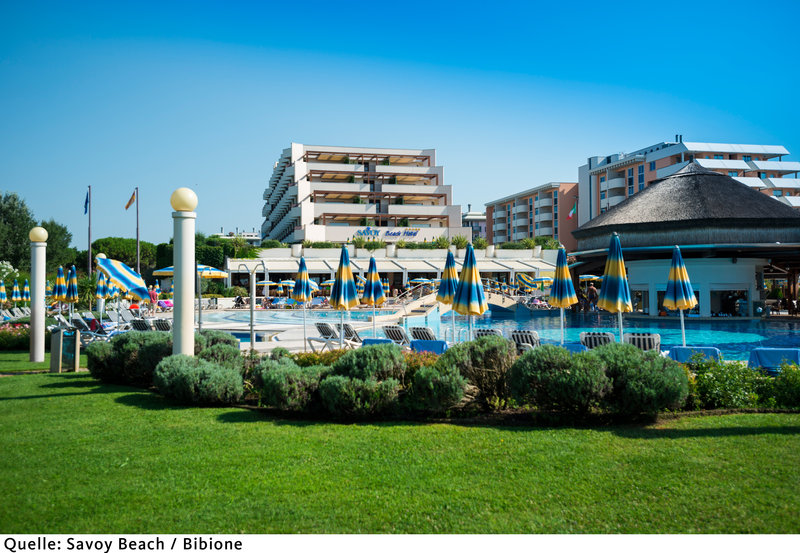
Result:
[[101, 293], [343, 293], [48, 289], [122, 276], [3, 296], [171, 289], [562, 292], [526, 281], [60, 289], [301, 292], [680, 294], [615, 294], [72, 289], [158, 288], [448, 285], [385, 284], [15, 295], [26, 291], [469, 298], [373, 291], [360, 285]]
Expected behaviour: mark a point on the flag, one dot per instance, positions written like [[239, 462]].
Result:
[[86, 204], [572, 211], [130, 202]]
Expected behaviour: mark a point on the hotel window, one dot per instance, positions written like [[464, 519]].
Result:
[[652, 165], [630, 190], [555, 199], [536, 210], [762, 175], [733, 174], [718, 156], [537, 226], [630, 177], [777, 192], [747, 158], [602, 195], [602, 179], [641, 178]]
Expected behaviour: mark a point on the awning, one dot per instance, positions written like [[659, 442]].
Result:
[[418, 266]]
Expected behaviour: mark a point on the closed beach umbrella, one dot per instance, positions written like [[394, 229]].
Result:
[[3, 295], [385, 283], [72, 289], [26, 291], [679, 294], [562, 293], [60, 289], [469, 297], [15, 295], [373, 290], [448, 285], [101, 293], [343, 293], [48, 289], [279, 290], [158, 288], [360, 285], [615, 294], [171, 290], [301, 292]]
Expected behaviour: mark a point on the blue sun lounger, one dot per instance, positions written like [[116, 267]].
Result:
[[770, 359], [682, 354]]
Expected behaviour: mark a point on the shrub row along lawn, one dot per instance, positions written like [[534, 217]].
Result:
[[83, 456]]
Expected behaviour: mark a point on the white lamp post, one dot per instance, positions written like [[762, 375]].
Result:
[[183, 201], [38, 237]]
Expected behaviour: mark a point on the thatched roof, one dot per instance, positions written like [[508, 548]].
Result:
[[693, 197]]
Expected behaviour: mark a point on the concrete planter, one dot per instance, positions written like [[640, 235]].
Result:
[[297, 250], [490, 251], [391, 250]]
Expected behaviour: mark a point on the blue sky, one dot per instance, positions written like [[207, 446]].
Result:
[[207, 94]]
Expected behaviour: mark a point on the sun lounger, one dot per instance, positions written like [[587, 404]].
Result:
[[430, 346], [17, 312], [165, 305], [645, 341], [375, 341], [327, 337], [683, 354], [164, 325], [26, 311], [422, 333], [769, 359], [396, 334], [87, 334], [350, 334], [483, 332], [142, 325], [593, 339], [525, 340]]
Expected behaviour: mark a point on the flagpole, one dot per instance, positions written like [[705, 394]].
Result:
[[138, 268], [90, 231]]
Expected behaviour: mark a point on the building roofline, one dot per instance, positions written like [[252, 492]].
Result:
[[552, 184]]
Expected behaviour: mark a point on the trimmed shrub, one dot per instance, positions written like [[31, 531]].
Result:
[[234, 291], [551, 378], [197, 382], [225, 356], [379, 362], [100, 360], [214, 337], [136, 355], [15, 336], [416, 360], [787, 386], [722, 385], [292, 388], [485, 362], [308, 359], [642, 382], [434, 390], [277, 353], [351, 397]]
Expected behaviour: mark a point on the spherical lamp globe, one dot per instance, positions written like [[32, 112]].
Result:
[[38, 234], [183, 199], [100, 256]]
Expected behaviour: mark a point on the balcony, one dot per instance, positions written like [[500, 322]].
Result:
[[406, 210], [544, 216], [785, 183], [321, 208], [612, 183], [776, 166], [548, 202], [520, 209], [501, 227]]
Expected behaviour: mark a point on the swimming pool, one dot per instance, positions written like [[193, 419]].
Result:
[[288, 317]]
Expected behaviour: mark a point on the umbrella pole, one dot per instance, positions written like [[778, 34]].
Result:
[[374, 327], [199, 304], [619, 317], [341, 332], [562, 326], [453, 313], [683, 330], [470, 328], [305, 340]]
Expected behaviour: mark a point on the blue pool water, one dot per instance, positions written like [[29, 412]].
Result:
[[734, 337]]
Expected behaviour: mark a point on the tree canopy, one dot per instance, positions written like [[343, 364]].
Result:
[[16, 221], [59, 251]]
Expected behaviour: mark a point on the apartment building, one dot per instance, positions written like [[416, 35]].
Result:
[[476, 220], [546, 210], [336, 193], [605, 181]]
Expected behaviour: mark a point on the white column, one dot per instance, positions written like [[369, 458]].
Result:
[[184, 201], [38, 238]]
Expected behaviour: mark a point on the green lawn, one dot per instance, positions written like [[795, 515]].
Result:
[[81, 457], [17, 361]]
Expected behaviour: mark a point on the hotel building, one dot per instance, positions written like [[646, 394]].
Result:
[[605, 181], [476, 220], [335, 193], [540, 211]]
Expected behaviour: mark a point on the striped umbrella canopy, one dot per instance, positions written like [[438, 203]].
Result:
[[301, 292], [615, 294], [469, 298], [279, 290], [680, 294], [26, 291], [113, 291], [343, 293], [419, 280], [590, 278], [448, 285], [385, 284], [101, 292], [171, 289], [373, 291], [266, 283], [48, 288], [525, 280], [328, 282], [125, 278], [288, 284], [3, 296], [60, 289], [15, 295], [158, 288], [360, 285], [562, 293], [72, 286]]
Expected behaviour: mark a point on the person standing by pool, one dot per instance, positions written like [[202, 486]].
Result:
[[592, 295], [153, 298]]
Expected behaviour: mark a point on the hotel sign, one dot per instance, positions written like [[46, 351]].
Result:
[[388, 233]]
